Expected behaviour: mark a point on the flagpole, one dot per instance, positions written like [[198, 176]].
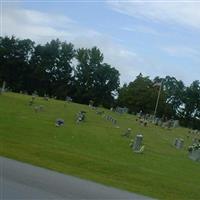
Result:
[[157, 101]]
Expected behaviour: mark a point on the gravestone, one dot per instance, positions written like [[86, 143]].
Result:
[[80, 116], [121, 110], [178, 143], [91, 103], [175, 123], [114, 121], [68, 99], [175, 142], [195, 155], [137, 142], [181, 143]]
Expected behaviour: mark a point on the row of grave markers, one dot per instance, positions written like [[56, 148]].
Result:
[[164, 123], [111, 119]]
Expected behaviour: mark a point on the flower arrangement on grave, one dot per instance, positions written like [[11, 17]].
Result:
[[193, 147]]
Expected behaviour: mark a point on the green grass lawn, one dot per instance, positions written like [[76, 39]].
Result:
[[95, 150]]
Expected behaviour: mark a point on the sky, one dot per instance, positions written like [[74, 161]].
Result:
[[156, 38]]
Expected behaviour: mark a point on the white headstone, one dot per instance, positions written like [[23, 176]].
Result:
[[137, 142]]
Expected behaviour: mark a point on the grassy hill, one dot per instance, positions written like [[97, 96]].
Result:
[[95, 149]]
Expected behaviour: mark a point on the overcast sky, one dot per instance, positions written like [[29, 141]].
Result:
[[153, 37]]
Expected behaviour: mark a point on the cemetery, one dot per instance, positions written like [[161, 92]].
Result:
[[75, 139]]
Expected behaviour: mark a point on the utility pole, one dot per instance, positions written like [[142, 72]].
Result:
[[3, 87], [157, 101]]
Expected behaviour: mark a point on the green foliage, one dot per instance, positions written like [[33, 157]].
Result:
[[94, 79], [51, 69], [14, 58], [176, 100], [174, 91], [141, 95], [57, 69]]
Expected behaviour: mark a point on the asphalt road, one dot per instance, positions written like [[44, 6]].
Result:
[[23, 181]]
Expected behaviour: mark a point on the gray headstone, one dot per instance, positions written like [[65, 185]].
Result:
[[121, 110], [180, 143], [175, 123], [195, 155], [137, 142]]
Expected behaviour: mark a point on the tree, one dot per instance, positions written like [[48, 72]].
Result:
[[94, 79], [174, 91], [15, 56], [84, 75], [138, 95], [53, 68], [106, 84], [141, 94]]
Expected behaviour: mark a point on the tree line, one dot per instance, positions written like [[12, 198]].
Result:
[[177, 101], [58, 69]]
